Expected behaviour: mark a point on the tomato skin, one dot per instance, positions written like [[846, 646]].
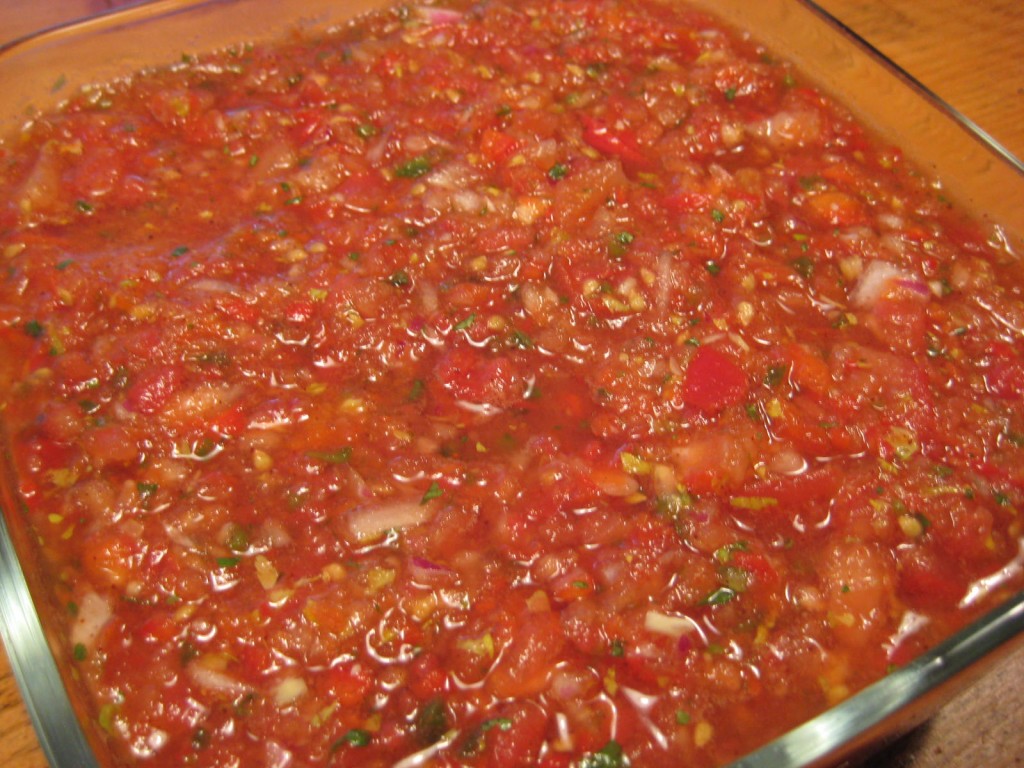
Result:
[[713, 381]]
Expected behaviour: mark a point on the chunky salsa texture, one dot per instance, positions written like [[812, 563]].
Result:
[[544, 383]]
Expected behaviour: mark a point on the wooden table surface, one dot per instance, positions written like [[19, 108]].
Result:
[[971, 54]]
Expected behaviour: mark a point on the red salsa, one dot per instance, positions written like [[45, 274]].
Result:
[[549, 383]]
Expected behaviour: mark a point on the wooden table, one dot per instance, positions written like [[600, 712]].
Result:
[[971, 54]]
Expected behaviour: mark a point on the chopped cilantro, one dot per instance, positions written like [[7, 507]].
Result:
[[399, 279], [558, 171], [720, 596], [79, 652], [464, 324], [339, 456], [413, 169], [416, 390], [521, 340], [609, 756], [356, 737], [433, 492]]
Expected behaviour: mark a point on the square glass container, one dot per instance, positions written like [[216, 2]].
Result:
[[38, 72]]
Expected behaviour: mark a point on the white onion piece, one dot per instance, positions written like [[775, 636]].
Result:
[[369, 522], [438, 16], [670, 626], [209, 285], [874, 281], [215, 680], [93, 614], [289, 690]]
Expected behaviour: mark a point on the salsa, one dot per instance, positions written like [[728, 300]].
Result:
[[549, 383]]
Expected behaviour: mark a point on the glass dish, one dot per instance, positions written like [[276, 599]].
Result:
[[37, 72]]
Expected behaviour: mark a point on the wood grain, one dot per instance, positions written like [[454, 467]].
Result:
[[970, 53]]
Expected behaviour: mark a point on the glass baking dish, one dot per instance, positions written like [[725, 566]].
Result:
[[37, 72]]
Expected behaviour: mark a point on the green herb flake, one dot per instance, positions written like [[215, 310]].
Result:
[[717, 215], [413, 169], [724, 554], [238, 539], [617, 648], [803, 266], [464, 324], [399, 279], [431, 722], [340, 456], [84, 206], [682, 717], [501, 723], [88, 406], [558, 171], [181, 250], [62, 265], [356, 737], [609, 756], [433, 492], [33, 328], [79, 652], [712, 267], [366, 130], [720, 596], [730, 94], [776, 375], [228, 562], [416, 390], [146, 489], [521, 340]]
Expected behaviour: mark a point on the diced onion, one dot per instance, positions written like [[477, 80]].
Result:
[[370, 522], [215, 680], [289, 690], [670, 626], [93, 613]]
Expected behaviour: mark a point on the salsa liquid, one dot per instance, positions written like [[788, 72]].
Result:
[[537, 383]]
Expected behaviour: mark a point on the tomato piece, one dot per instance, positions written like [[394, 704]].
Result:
[[151, 390], [527, 661], [1004, 376], [621, 143], [497, 147], [713, 381], [479, 378], [758, 566]]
